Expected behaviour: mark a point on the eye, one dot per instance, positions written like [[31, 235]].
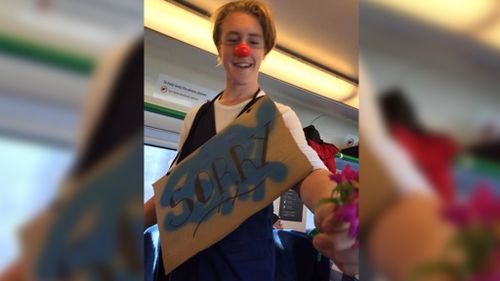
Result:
[[232, 40], [256, 43]]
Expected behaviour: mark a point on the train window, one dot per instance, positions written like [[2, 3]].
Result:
[[30, 174], [156, 163]]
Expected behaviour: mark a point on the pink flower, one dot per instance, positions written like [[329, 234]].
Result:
[[483, 207], [347, 175], [477, 237], [347, 200], [349, 213]]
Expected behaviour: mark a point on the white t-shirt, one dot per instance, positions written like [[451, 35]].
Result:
[[225, 114]]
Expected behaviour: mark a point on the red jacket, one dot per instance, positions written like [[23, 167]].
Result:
[[326, 152], [433, 154]]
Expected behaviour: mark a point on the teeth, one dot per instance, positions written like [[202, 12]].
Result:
[[243, 65]]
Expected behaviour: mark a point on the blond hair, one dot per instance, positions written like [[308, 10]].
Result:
[[255, 8]]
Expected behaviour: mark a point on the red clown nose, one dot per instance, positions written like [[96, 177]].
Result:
[[242, 50]]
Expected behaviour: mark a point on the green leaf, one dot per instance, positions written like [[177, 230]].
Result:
[[323, 201]]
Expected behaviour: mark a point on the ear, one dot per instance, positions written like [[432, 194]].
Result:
[[219, 59]]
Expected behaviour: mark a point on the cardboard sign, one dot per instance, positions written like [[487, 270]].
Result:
[[82, 231], [233, 175]]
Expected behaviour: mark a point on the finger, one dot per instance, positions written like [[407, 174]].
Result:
[[347, 260], [326, 221], [322, 212], [349, 269], [349, 256], [332, 224], [343, 241], [337, 242], [324, 245]]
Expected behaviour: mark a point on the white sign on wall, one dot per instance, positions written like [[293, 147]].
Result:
[[180, 92]]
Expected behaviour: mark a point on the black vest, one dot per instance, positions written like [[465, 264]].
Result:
[[203, 127]]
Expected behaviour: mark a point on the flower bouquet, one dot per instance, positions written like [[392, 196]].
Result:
[[345, 196], [474, 252]]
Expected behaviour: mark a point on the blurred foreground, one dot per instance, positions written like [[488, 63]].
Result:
[[71, 118], [430, 133]]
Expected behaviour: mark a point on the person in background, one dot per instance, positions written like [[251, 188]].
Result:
[[326, 151], [433, 153], [244, 33], [277, 222], [400, 221]]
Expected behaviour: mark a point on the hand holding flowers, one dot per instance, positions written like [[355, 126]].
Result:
[[337, 222]]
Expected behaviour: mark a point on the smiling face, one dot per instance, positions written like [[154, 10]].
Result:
[[242, 68]]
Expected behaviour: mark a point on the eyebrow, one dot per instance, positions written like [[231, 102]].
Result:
[[255, 35], [251, 34]]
